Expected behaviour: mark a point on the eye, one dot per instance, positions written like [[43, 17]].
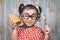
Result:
[[26, 17], [34, 16]]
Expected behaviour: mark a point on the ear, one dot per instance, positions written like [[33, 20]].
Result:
[[19, 16], [39, 17]]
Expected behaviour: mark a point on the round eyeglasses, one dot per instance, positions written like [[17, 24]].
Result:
[[27, 16]]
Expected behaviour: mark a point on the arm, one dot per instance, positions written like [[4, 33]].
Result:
[[47, 37], [14, 30], [47, 32], [14, 34]]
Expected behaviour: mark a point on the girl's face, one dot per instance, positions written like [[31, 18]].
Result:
[[29, 17]]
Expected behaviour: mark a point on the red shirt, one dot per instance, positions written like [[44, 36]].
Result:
[[33, 33]]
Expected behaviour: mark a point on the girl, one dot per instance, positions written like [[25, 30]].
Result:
[[29, 15]]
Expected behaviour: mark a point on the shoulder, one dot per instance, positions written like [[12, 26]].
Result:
[[19, 28], [40, 33], [39, 29]]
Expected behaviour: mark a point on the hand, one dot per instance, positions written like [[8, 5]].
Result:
[[13, 25], [47, 30]]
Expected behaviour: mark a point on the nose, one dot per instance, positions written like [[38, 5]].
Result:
[[29, 18]]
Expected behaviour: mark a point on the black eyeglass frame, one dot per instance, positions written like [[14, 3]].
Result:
[[29, 16]]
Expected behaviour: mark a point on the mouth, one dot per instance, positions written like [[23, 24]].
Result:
[[29, 22]]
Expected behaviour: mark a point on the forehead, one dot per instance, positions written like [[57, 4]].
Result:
[[29, 11]]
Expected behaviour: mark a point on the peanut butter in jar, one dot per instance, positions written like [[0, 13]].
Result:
[[14, 17]]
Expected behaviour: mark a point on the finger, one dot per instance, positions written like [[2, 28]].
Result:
[[10, 21], [14, 26], [47, 29]]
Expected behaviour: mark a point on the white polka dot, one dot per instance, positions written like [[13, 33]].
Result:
[[33, 39]]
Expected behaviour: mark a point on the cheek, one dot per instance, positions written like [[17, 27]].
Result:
[[34, 21], [23, 20], [29, 22]]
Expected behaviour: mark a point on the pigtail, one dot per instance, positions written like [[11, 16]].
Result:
[[20, 8], [40, 9], [39, 12]]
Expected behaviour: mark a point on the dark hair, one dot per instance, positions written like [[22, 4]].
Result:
[[30, 6]]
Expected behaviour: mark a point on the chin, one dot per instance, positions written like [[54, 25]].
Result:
[[30, 25]]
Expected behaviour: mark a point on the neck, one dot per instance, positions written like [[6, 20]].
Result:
[[28, 26]]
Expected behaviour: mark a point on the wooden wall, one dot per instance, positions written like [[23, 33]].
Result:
[[49, 8]]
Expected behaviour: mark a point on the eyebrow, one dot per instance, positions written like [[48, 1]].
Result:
[[32, 14]]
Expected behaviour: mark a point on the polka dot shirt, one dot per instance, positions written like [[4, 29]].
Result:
[[33, 33]]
